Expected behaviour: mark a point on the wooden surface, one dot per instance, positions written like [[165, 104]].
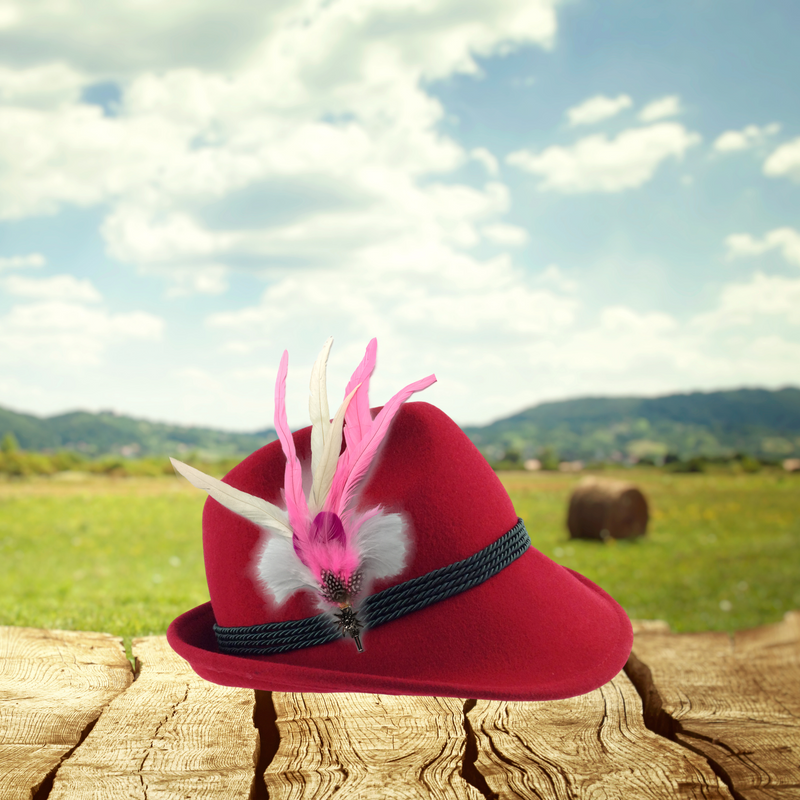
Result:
[[368, 746], [171, 735], [693, 716], [592, 746], [53, 686], [735, 700]]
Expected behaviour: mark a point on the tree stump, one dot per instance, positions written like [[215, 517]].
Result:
[[601, 508]]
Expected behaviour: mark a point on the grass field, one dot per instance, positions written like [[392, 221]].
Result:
[[125, 555]]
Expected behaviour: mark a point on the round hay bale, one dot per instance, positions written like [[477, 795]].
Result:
[[601, 508]]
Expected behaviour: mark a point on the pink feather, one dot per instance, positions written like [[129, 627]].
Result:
[[329, 547], [347, 480], [296, 505], [358, 419]]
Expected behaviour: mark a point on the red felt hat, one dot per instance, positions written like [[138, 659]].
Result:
[[534, 630]]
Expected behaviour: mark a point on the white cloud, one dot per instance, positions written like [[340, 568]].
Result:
[[554, 277], [304, 145], [208, 279], [767, 296], [501, 233], [66, 288], [140, 235], [480, 314], [75, 155], [43, 86], [630, 351], [766, 356], [9, 16], [597, 164], [439, 37], [424, 288], [619, 343], [598, 108], [383, 207], [486, 158], [68, 334], [787, 240], [785, 161], [156, 36], [322, 103], [748, 137], [669, 106], [22, 262]]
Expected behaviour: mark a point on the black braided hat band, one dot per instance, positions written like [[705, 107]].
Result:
[[384, 606]]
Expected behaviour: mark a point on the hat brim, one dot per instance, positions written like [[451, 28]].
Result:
[[534, 631]]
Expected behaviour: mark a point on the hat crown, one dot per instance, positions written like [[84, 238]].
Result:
[[427, 470]]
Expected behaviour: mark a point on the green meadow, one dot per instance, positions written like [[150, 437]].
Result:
[[124, 555]]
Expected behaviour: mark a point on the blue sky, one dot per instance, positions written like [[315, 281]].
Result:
[[533, 199]]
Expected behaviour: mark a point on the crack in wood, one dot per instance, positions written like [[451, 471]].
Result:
[[154, 738], [534, 750], [45, 787], [603, 723], [665, 725], [54, 685], [469, 770], [269, 740]]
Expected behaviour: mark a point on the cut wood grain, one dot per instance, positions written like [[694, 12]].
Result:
[[171, 735], [368, 746], [735, 699], [592, 746], [53, 686]]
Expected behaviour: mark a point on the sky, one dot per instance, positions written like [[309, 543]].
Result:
[[534, 200]]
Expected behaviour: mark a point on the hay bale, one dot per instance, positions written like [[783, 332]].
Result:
[[601, 508]]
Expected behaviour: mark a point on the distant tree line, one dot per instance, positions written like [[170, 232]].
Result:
[[548, 459], [17, 463]]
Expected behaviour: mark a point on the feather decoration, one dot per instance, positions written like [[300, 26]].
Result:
[[348, 481], [318, 405], [327, 461], [245, 505], [358, 419], [382, 544], [280, 572], [324, 544], [296, 505]]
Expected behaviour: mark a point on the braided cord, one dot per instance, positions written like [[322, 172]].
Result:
[[382, 607]]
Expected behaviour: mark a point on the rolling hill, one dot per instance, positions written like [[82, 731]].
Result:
[[107, 432], [760, 422]]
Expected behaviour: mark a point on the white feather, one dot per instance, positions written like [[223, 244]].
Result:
[[383, 546], [308, 477], [245, 505], [280, 572], [326, 468], [318, 406]]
